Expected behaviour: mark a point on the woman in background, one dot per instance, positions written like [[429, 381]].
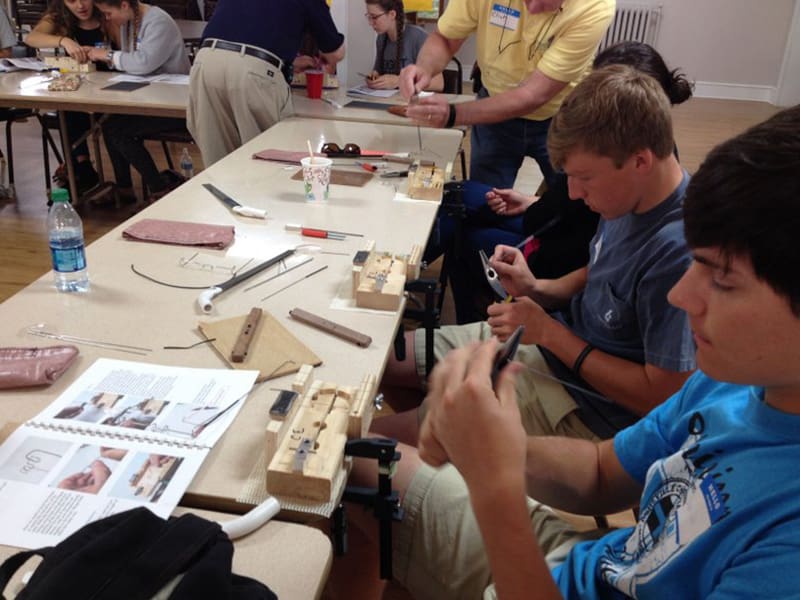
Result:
[[75, 26], [150, 43], [397, 45]]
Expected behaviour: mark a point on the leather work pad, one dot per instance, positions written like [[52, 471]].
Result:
[[339, 177], [274, 351]]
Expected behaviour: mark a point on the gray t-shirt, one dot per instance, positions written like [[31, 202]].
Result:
[[623, 310], [7, 37], [159, 47], [386, 61]]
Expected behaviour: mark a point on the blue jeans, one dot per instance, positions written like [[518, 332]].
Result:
[[481, 229], [497, 150]]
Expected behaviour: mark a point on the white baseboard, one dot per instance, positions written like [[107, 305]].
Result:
[[735, 91]]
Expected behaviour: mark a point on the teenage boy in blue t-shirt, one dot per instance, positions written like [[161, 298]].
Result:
[[713, 470]]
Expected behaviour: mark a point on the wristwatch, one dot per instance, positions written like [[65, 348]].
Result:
[[110, 57]]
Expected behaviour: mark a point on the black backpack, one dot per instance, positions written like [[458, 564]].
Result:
[[133, 555]]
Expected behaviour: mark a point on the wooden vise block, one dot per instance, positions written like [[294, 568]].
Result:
[[303, 379], [382, 282], [362, 408], [312, 454], [413, 263], [427, 182], [67, 64]]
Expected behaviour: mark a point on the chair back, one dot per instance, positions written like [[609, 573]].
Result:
[[453, 77]]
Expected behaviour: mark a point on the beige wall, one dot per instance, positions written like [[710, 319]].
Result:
[[727, 43]]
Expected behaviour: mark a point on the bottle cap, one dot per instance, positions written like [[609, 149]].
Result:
[[59, 195]]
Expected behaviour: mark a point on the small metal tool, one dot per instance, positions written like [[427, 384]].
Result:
[[283, 404], [493, 279], [40, 329], [506, 353], [415, 100], [245, 211], [296, 281]]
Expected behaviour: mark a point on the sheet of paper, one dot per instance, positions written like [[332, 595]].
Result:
[[123, 434], [364, 90]]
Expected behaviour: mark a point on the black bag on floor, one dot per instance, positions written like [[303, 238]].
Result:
[[134, 555]]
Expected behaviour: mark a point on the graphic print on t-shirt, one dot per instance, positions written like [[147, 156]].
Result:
[[682, 498]]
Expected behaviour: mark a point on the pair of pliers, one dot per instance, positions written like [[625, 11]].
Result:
[[493, 279]]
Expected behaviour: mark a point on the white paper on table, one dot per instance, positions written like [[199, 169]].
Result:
[[123, 434], [364, 90], [172, 78]]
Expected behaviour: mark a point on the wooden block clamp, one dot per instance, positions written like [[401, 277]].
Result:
[[311, 454], [310, 448], [427, 182], [378, 282]]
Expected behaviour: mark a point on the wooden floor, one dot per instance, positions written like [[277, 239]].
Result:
[[699, 125]]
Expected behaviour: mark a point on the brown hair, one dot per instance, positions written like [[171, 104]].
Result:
[[615, 111], [65, 22], [397, 7]]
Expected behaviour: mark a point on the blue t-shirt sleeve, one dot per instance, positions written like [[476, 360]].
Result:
[[652, 437]]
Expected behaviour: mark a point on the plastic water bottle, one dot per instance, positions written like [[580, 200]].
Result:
[[65, 233], [187, 166]]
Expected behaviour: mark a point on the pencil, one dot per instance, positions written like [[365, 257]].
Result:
[[521, 245]]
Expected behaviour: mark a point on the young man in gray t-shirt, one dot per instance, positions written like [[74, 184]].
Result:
[[602, 345]]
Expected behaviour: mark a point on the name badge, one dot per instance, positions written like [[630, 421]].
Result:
[[505, 17]]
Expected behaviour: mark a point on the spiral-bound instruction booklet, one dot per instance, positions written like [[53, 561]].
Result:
[[124, 434]]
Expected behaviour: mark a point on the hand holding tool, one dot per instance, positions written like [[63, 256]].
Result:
[[506, 353], [493, 279]]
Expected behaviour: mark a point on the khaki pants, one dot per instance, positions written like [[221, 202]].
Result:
[[232, 98], [545, 406], [438, 549]]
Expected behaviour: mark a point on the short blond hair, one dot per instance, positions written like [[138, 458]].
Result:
[[615, 111]]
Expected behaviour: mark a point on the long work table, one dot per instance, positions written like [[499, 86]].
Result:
[[124, 308]]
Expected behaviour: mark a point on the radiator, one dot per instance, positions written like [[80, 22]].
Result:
[[633, 22]]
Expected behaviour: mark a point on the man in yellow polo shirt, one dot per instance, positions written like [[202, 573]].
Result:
[[531, 54]]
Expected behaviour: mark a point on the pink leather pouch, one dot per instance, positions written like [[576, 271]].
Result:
[[24, 367], [180, 232]]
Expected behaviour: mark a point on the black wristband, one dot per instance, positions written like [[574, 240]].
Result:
[[451, 118], [576, 368]]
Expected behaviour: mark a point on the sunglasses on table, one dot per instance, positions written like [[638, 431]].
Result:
[[333, 149]]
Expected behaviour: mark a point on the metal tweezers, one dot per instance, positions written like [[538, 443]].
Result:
[[492, 278]]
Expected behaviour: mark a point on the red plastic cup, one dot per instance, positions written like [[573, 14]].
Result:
[[314, 83]]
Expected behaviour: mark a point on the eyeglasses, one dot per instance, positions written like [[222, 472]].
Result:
[[333, 149], [373, 18]]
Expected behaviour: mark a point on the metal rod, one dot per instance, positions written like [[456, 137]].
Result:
[[254, 271]]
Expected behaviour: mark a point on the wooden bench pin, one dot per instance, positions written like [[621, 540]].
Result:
[[246, 335]]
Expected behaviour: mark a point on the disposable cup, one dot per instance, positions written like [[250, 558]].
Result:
[[316, 177], [314, 83]]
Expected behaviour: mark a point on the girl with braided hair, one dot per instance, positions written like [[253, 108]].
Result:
[[397, 44]]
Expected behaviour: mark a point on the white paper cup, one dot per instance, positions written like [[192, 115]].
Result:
[[316, 177]]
